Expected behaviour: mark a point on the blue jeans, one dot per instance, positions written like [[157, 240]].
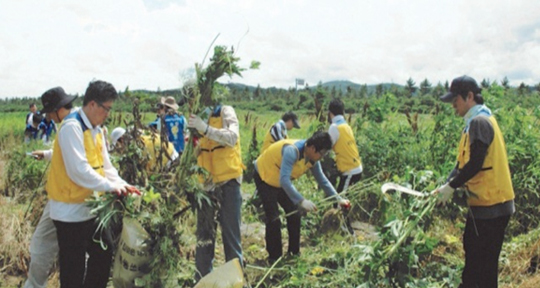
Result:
[[226, 201]]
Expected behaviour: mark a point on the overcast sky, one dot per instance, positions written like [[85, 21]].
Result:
[[151, 44]]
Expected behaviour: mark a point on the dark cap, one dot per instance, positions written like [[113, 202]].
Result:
[[291, 116], [54, 99], [461, 85]]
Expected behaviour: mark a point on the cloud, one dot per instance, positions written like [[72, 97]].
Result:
[[147, 44]]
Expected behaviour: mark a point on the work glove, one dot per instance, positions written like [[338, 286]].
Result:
[[198, 124], [344, 203], [444, 193], [38, 155], [308, 205]]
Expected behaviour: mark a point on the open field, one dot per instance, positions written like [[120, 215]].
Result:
[[418, 151]]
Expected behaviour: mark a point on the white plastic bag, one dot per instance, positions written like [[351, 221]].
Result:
[[133, 254]]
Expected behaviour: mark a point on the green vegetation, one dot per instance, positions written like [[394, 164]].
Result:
[[404, 134]]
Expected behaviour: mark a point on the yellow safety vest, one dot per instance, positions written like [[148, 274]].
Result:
[[59, 186], [493, 184], [347, 156], [221, 161], [153, 147], [269, 140], [269, 163]]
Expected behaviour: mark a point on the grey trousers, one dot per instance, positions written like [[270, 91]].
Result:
[[227, 202], [43, 251]]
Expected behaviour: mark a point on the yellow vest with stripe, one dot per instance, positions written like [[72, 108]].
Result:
[[269, 140], [59, 186], [493, 184], [269, 163], [347, 156], [221, 161], [153, 147]]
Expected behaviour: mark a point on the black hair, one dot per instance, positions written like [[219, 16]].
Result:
[[100, 92], [37, 118], [336, 106], [320, 140], [289, 116], [477, 97], [31, 105], [68, 106]]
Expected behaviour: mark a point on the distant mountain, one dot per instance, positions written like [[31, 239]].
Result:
[[343, 84], [339, 84], [240, 87]]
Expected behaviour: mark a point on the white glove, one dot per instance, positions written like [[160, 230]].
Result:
[[38, 155], [344, 203], [308, 205], [445, 193], [197, 123]]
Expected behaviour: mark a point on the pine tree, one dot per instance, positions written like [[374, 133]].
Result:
[[410, 87], [363, 91], [485, 83], [425, 87], [379, 90], [523, 89], [504, 83]]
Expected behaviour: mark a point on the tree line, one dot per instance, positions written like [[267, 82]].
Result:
[[411, 96]]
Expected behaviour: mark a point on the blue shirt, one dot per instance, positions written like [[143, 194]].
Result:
[[46, 128], [291, 154], [31, 131], [176, 124]]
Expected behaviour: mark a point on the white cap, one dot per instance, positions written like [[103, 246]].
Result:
[[116, 134]]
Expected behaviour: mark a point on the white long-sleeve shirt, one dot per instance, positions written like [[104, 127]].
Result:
[[227, 135], [71, 141]]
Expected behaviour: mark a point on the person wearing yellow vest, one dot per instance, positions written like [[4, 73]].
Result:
[[152, 145], [80, 166], [347, 159], [278, 131], [221, 157], [282, 162], [482, 169], [44, 243]]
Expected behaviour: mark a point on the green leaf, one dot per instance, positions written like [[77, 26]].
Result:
[[254, 64]]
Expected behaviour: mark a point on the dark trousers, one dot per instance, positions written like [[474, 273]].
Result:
[[270, 197], [347, 180], [482, 251], [75, 239]]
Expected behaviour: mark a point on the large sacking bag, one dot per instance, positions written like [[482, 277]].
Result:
[[228, 275], [133, 254]]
